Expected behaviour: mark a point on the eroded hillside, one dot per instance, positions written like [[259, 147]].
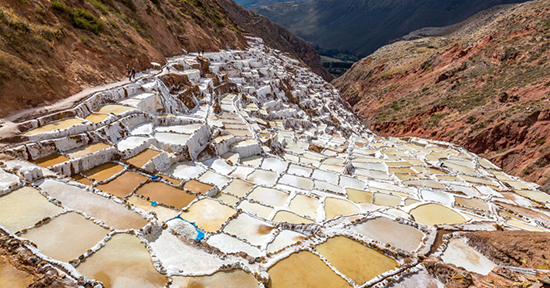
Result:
[[52, 49], [485, 86]]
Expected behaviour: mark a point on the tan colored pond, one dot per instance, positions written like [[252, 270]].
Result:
[[228, 199], [103, 171], [387, 200], [224, 279], [335, 207], [256, 232], [96, 117], [83, 151], [164, 193], [124, 184], [101, 208], [359, 196], [256, 209], [197, 186], [208, 214], [435, 214], [271, 197], [354, 260], [143, 157], [473, 203], [304, 269], [163, 213], [289, 217], [122, 262], [387, 231], [67, 236], [11, 277], [51, 160], [304, 205], [59, 125], [238, 188], [24, 207], [116, 109]]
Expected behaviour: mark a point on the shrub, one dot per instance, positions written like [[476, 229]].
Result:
[[79, 17]]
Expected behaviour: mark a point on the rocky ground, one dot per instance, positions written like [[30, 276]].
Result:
[[484, 85]]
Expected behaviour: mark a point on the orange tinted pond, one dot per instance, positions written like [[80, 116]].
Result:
[[103, 171], [197, 186], [124, 184], [51, 160], [164, 193], [143, 157]]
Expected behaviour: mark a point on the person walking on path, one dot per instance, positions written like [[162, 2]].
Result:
[[133, 73], [129, 73]]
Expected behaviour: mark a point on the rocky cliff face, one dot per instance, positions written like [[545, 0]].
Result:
[[276, 36], [484, 85], [52, 49]]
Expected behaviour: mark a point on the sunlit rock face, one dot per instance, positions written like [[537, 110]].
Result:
[[245, 169]]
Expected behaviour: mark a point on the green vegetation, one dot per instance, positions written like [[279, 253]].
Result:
[[79, 17]]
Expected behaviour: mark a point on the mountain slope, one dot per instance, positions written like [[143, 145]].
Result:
[[52, 49], [275, 36], [485, 86], [362, 26]]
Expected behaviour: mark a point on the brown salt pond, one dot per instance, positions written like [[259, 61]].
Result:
[[123, 185], [197, 187], [163, 213], [335, 207], [304, 269], [166, 194], [354, 260], [51, 160], [82, 179], [116, 109], [238, 188], [103, 171], [11, 277], [122, 262], [208, 214], [67, 236], [83, 151], [96, 117], [289, 217], [59, 125], [304, 205], [388, 231], [143, 157], [24, 207], [223, 279], [435, 214]]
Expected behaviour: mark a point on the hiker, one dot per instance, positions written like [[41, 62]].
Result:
[[129, 73], [133, 73]]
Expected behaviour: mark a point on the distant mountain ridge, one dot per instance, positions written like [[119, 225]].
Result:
[[483, 84], [362, 26]]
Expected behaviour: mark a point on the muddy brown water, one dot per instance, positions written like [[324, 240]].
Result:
[[103, 171], [124, 184], [67, 236], [143, 157], [164, 193], [197, 186], [358, 262], [122, 262], [51, 160], [59, 125], [304, 269]]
